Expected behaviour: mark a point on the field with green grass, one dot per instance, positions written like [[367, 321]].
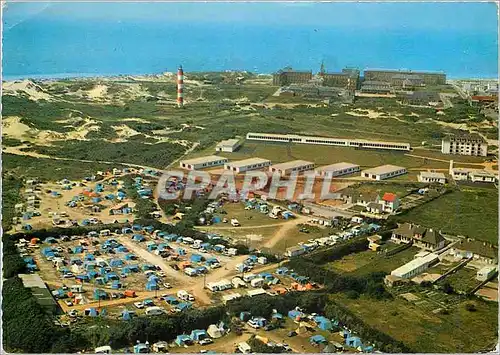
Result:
[[369, 261], [464, 279], [424, 331], [471, 211]]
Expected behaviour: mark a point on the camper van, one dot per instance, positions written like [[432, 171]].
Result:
[[234, 222], [154, 311], [257, 282], [183, 295], [244, 348], [249, 277], [106, 349]]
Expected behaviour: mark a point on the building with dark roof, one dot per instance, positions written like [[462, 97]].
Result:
[[376, 87], [478, 250], [425, 238], [407, 81], [40, 291]]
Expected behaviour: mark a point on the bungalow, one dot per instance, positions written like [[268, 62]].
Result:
[[480, 251], [374, 242], [421, 237], [390, 202]]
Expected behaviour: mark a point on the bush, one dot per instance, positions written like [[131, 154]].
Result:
[[471, 307]]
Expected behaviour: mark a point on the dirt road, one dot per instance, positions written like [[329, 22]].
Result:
[[282, 232]]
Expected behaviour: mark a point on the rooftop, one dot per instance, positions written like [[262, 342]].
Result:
[[383, 169], [337, 166], [292, 164], [478, 247], [465, 136], [249, 161], [432, 175], [415, 263], [403, 71], [228, 142], [32, 280], [205, 159]]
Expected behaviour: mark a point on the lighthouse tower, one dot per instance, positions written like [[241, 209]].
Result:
[[180, 87]]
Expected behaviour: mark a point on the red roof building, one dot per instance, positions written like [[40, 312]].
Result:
[[389, 197]]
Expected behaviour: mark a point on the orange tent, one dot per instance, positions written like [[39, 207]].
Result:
[[34, 240]]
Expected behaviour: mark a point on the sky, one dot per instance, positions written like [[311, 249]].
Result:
[[433, 16]]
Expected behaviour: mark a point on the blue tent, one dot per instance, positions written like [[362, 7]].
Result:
[[149, 229], [185, 305], [76, 261], [196, 258], [138, 238], [152, 247], [89, 257], [96, 199], [140, 349], [244, 316], [131, 268], [282, 270], [353, 341], [29, 260], [181, 251], [77, 250], [92, 274], [294, 314], [111, 276], [50, 240], [171, 300], [201, 270], [198, 334], [276, 316], [130, 257], [116, 262], [146, 267], [32, 267], [109, 197], [99, 281], [151, 286], [27, 227], [153, 278], [317, 339], [162, 246], [89, 265], [116, 285], [137, 227], [99, 294], [206, 246], [323, 323], [216, 219], [103, 313], [82, 277], [127, 230], [122, 249], [126, 315], [93, 312], [183, 339], [85, 222]]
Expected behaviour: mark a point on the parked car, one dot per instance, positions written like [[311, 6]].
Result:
[[68, 303], [174, 266], [148, 303], [167, 285], [139, 305], [206, 341], [73, 313], [114, 295], [68, 275]]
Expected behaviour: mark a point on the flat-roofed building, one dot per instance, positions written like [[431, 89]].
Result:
[[340, 142], [203, 162], [415, 267], [383, 172], [228, 146], [464, 144], [428, 77], [291, 166], [337, 169], [407, 81], [40, 291], [247, 164], [430, 177], [376, 87], [474, 175]]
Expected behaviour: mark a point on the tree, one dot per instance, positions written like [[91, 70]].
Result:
[[471, 307]]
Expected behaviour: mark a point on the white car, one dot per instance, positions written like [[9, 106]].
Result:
[[68, 275], [68, 303], [160, 274], [167, 285], [139, 305], [206, 341]]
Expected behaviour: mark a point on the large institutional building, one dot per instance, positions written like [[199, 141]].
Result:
[[417, 78], [289, 76], [464, 144]]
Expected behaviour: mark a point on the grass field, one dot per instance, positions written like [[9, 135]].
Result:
[[246, 217], [294, 236], [472, 211], [423, 331], [370, 261], [464, 279]]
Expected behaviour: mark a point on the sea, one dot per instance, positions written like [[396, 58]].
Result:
[[63, 48]]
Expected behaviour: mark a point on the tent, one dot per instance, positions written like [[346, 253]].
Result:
[[122, 249], [99, 294], [77, 250], [149, 229], [323, 323], [116, 285], [138, 238], [116, 262], [111, 276], [281, 270], [184, 306], [126, 315], [50, 240], [130, 256], [103, 313], [214, 331], [137, 227], [317, 339], [198, 334], [196, 258], [151, 286], [89, 257], [353, 341], [244, 316], [92, 274], [295, 315], [171, 300], [127, 230], [146, 267], [183, 339], [99, 281], [93, 312]]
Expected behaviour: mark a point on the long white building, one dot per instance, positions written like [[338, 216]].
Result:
[[340, 142], [415, 267], [247, 164], [203, 162], [337, 169], [383, 172], [291, 166]]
